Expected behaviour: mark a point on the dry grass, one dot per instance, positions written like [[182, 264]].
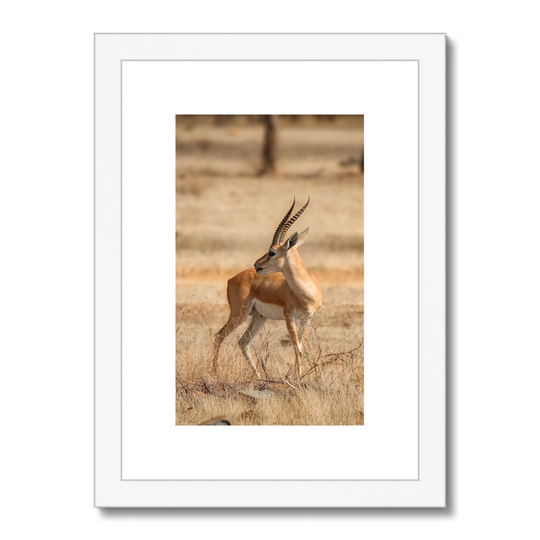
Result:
[[329, 392]]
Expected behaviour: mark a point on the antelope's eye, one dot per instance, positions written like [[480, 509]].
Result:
[[271, 253]]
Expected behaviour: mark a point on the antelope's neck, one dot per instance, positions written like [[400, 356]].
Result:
[[299, 280]]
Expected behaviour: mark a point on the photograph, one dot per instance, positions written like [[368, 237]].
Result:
[[269, 270]]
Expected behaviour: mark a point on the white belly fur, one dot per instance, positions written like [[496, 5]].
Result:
[[269, 310]]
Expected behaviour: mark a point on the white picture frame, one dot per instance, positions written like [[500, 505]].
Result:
[[423, 485]]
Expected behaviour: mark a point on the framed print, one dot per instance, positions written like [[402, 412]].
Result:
[[270, 257]]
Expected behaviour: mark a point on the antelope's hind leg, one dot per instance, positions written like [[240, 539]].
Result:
[[255, 326], [236, 318]]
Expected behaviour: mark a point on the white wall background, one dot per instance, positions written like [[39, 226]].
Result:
[[46, 182]]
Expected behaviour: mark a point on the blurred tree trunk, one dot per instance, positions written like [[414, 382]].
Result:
[[362, 160], [269, 153]]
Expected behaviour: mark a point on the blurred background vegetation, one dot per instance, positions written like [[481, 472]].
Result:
[[232, 191]]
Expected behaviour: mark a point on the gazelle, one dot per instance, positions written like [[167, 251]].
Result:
[[278, 287]]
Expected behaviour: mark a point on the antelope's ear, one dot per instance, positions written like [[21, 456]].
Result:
[[302, 237], [296, 240], [291, 242]]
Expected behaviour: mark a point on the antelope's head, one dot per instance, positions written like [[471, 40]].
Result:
[[275, 259]]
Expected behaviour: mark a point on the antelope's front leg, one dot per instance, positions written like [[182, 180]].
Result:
[[291, 327], [302, 326]]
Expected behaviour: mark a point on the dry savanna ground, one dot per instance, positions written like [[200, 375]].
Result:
[[226, 216]]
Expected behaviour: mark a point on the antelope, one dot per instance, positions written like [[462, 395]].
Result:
[[278, 287]]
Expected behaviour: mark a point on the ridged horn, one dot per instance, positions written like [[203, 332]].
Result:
[[282, 224], [287, 225]]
